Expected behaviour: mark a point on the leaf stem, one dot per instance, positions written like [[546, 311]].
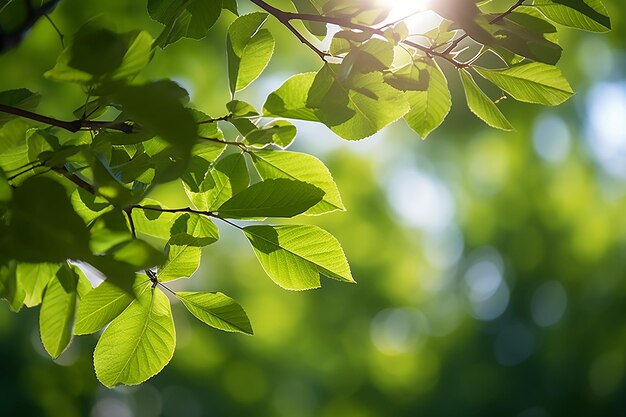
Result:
[[217, 119]]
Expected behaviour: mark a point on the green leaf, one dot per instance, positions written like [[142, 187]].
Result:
[[279, 132], [182, 261], [294, 256], [10, 288], [57, 311], [429, 108], [532, 83], [356, 107], [33, 279], [39, 234], [481, 105], [217, 310], [20, 98], [138, 254], [589, 15], [230, 5], [300, 167], [279, 197], [310, 7], [138, 343], [103, 304], [13, 146], [153, 222], [290, 99], [88, 206], [192, 229], [250, 49], [5, 189], [240, 108], [184, 18], [108, 230], [157, 107], [98, 56], [208, 188]]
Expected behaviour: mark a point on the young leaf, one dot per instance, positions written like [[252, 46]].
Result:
[[153, 222], [33, 279], [88, 206], [98, 56], [184, 18], [300, 167], [240, 108], [532, 83], [39, 234], [57, 311], [588, 15], [193, 230], [290, 99], [138, 254], [157, 106], [356, 107], [103, 304], [182, 261], [217, 310], [430, 107], [138, 343], [481, 105], [10, 288], [228, 177], [279, 197], [279, 132], [20, 98], [294, 256], [108, 230], [250, 49]]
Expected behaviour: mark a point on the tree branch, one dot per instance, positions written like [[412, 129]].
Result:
[[285, 18], [71, 126], [75, 179], [12, 39]]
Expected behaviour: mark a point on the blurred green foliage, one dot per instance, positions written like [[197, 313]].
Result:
[[491, 266]]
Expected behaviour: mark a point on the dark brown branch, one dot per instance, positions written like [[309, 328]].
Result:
[[71, 126], [12, 39], [76, 180], [285, 17]]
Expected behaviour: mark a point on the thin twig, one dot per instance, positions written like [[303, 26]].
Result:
[[37, 165], [76, 180], [57, 30], [71, 126], [496, 19], [240, 145], [217, 119], [285, 17]]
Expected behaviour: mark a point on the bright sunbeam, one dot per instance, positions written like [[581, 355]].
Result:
[[401, 8], [419, 18]]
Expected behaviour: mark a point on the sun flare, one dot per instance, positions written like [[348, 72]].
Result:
[[418, 16]]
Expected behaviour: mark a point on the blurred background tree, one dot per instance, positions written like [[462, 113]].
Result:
[[490, 265]]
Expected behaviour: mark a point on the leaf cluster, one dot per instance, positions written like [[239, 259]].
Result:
[[76, 195]]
